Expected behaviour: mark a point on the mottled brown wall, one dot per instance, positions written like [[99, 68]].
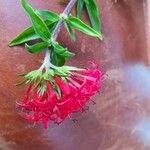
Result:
[[117, 120]]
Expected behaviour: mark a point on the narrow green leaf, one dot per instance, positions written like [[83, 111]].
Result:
[[80, 5], [48, 15], [22, 74], [57, 59], [38, 24], [21, 82], [57, 48], [67, 54], [93, 13], [61, 51], [36, 48], [81, 26], [29, 34], [25, 36], [70, 31]]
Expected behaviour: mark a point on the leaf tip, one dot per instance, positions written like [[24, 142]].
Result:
[[10, 44], [100, 37], [71, 54], [27, 47]]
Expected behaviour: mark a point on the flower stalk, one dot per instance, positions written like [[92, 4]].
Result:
[[66, 12]]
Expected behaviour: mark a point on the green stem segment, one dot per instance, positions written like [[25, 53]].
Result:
[[46, 64]]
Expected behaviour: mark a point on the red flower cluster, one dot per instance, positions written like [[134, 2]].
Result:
[[75, 92]]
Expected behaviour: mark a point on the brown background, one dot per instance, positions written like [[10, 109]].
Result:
[[120, 118]]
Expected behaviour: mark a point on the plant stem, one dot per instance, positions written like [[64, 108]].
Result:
[[56, 31]]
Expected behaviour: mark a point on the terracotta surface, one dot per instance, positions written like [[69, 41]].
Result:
[[120, 120]]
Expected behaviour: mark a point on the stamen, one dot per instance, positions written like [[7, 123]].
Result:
[[72, 119], [74, 82], [94, 103], [84, 76]]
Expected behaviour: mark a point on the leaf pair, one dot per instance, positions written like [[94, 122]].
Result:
[[38, 24], [92, 11], [81, 26], [39, 29], [74, 22], [29, 35]]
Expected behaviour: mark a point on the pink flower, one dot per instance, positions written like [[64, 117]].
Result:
[[82, 85], [75, 91]]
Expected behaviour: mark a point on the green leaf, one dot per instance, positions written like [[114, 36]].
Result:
[[93, 13], [21, 82], [36, 48], [70, 31], [22, 74], [29, 34], [48, 15], [80, 5], [81, 26], [57, 59], [38, 24], [70, 68], [25, 36], [67, 54], [57, 48], [61, 51]]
